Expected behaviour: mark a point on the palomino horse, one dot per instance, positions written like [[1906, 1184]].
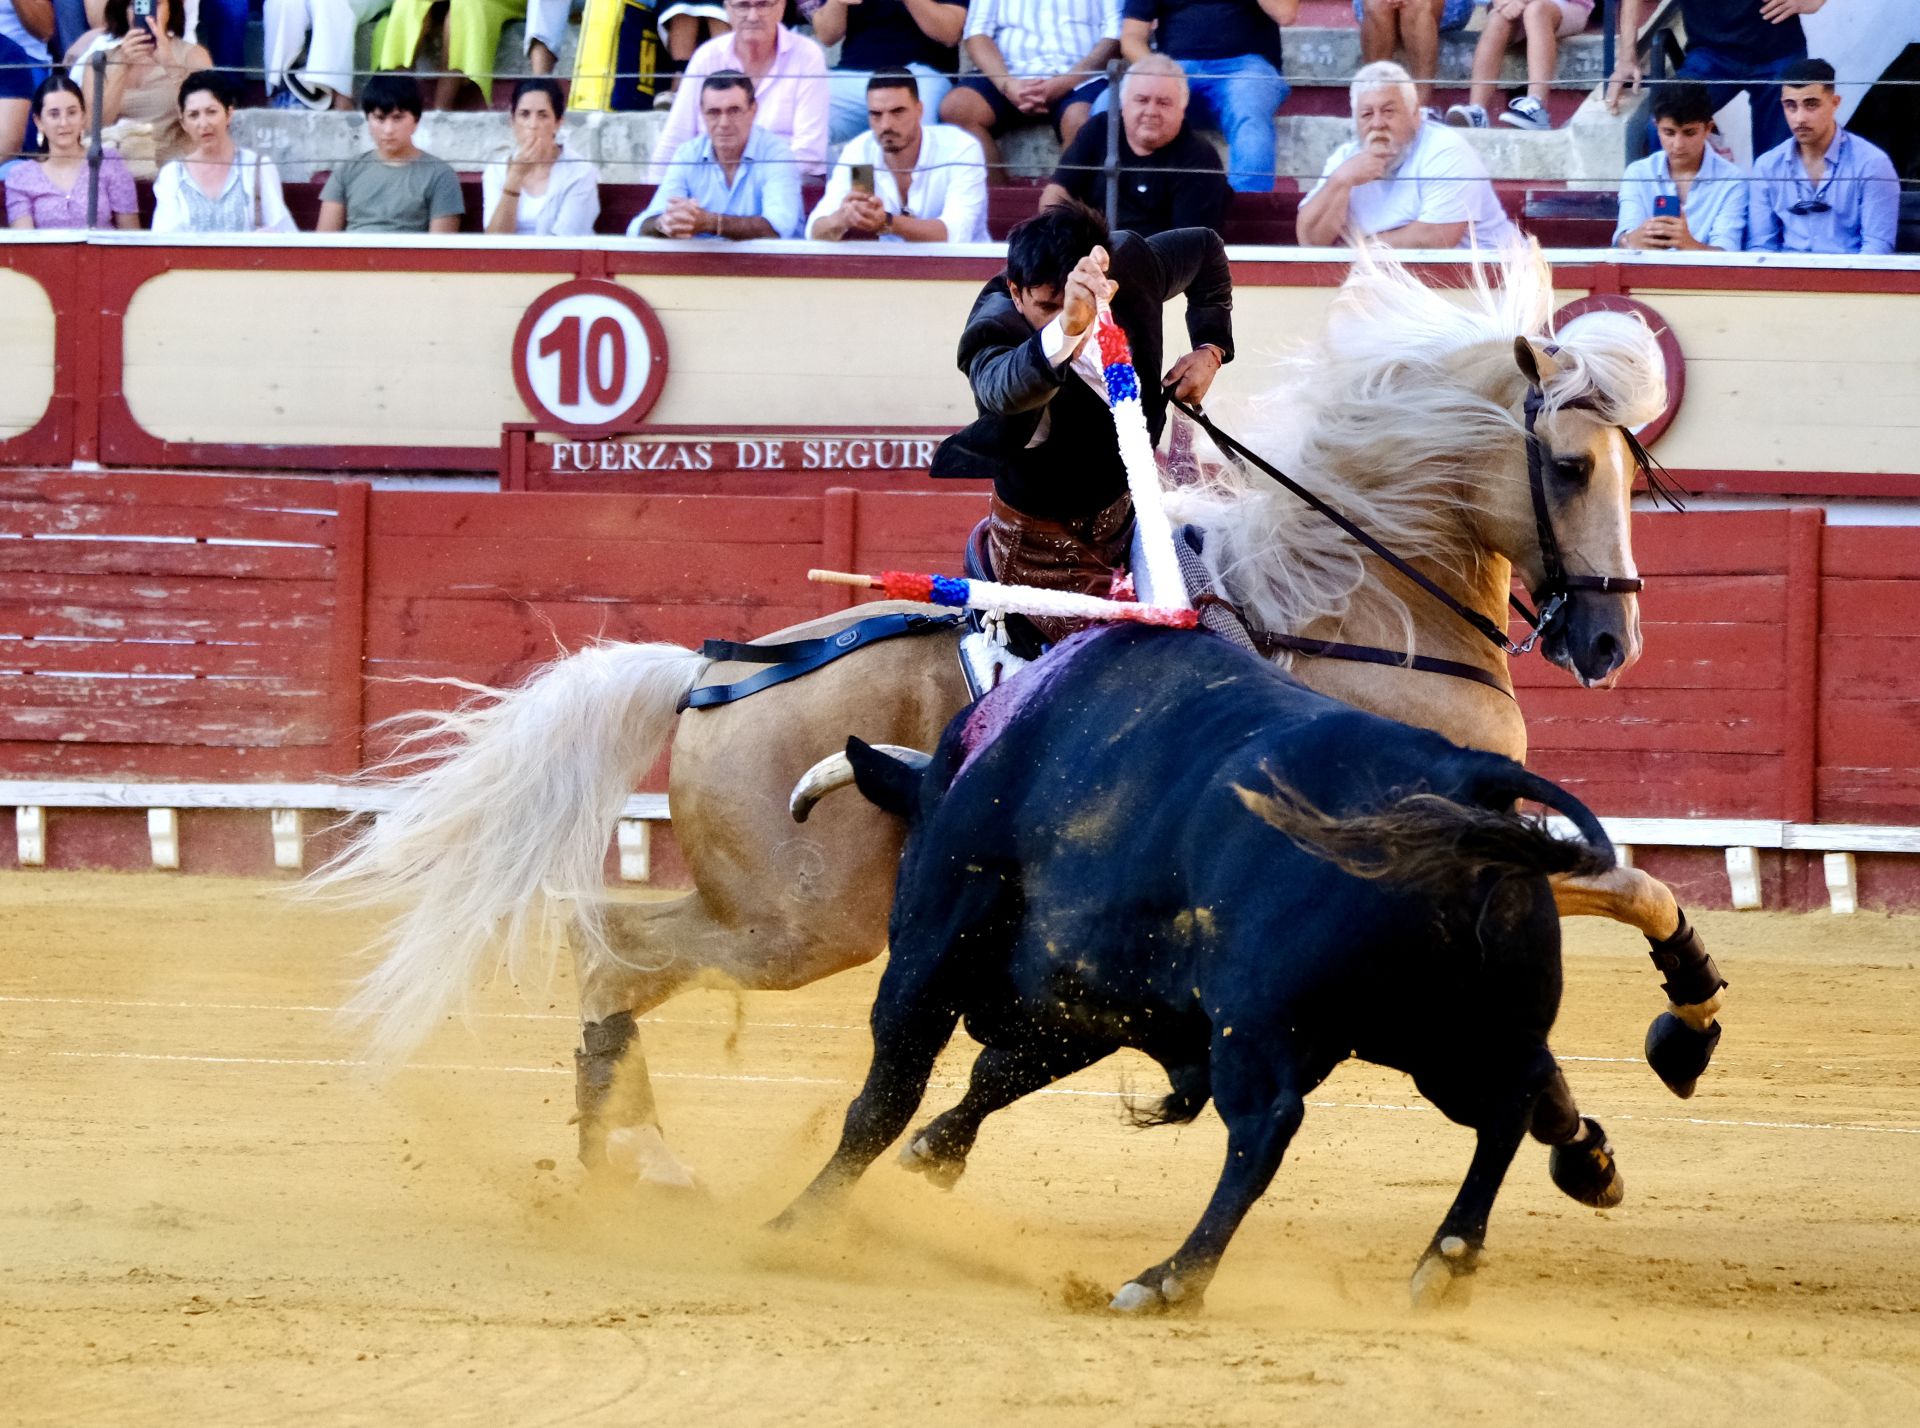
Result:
[[1409, 413]]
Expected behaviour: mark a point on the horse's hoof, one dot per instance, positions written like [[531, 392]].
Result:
[[1444, 1276], [1587, 1171], [1158, 1291], [945, 1172], [1678, 1054], [640, 1153]]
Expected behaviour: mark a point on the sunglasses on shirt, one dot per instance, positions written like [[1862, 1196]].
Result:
[[1810, 205]]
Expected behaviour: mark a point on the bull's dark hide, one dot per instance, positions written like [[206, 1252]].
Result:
[[1094, 863]]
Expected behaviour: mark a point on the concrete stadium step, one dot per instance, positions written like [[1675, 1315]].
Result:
[[1589, 150]]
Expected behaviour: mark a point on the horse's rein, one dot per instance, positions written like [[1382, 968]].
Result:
[[1556, 588]]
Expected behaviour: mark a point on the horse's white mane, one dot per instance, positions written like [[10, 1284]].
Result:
[[1404, 401]]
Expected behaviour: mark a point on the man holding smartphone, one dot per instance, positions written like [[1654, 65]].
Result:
[[1686, 198], [904, 180]]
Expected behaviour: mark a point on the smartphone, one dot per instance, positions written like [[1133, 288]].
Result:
[[863, 178], [1666, 205], [142, 10]]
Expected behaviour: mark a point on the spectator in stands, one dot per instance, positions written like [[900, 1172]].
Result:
[[535, 185], [1825, 190], [30, 24], [146, 63], [399, 187], [326, 30], [923, 183], [1231, 52], [470, 35], [789, 74], [16, 97], [217, 187], [1736, 46], [736, 180], [1412, 25], [52, 193], [547, 24], [25, 27], [1038, 59], [1170, 177], [1710, 193], [916, 35], [1540, 25], [1403, 180], [685, 25], [222, 28]]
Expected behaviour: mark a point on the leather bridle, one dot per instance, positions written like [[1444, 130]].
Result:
[[1557, 585]]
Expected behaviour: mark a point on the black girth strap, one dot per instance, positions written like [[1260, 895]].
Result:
[[1371, 654], [798, 657]]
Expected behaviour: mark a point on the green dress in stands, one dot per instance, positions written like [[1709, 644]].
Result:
[[473, 35]]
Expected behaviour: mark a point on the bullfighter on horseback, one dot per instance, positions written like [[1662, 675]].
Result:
[[1061, 516]]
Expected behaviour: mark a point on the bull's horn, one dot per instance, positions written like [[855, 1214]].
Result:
[[836, 771]]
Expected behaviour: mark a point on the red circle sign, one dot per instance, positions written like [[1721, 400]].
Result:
[[589, 357], [1670, 354]]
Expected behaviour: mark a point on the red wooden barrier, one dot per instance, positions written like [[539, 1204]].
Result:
[[189, 628], [182, 627]]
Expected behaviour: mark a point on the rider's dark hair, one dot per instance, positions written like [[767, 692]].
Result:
[[1042, 250], [1684, 101]]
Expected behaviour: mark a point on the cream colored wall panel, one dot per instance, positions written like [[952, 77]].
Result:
[[810, 351], [26, 352], [1811, 327], [335, 358]]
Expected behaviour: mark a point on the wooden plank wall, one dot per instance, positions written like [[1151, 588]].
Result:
[[1700, 726], [205, 628], [182, 627]]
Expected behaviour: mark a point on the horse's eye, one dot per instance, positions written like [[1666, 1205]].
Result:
[[1574, 470]]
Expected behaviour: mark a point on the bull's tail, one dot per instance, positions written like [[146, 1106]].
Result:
[[1441, 846]]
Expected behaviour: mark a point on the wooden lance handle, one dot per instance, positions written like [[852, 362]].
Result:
[[843, 577]]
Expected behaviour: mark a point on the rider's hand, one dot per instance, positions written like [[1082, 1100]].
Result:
[[1193, 374], [1087, 288]]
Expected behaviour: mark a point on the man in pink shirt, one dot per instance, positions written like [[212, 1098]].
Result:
[[789, 74]]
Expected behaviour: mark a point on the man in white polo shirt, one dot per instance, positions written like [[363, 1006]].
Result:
[[1401, 180], [920, 183]]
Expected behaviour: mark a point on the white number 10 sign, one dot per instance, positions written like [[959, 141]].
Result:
[[589, 356]]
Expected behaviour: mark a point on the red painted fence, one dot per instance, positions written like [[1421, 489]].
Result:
[[186, 628]]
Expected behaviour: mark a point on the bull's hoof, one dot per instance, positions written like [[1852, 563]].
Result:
[[1678, 1054], [918, 1156], [1587, 1171], [1444, 1276], [1158, 1291]]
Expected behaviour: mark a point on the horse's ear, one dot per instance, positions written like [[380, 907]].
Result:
[[1536, 363]]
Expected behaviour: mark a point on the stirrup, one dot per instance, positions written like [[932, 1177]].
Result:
[[985, 659]]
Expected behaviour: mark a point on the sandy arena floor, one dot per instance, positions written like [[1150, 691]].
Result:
[[210, 1213]]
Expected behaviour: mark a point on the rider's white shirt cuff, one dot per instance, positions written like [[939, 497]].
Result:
[[1056, 346]]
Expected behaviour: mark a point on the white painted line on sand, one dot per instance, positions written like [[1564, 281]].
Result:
[[360, 1064]]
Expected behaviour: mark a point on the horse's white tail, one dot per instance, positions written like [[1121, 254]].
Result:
[[481, 848]]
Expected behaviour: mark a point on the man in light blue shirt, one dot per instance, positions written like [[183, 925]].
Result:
[[1824, 190], [1686, 198], [733, 181]]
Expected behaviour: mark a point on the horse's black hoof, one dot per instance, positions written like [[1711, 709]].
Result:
[[1587, 1171], [1678, 1054]]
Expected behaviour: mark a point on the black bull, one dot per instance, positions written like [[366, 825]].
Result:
[[1118, 866]]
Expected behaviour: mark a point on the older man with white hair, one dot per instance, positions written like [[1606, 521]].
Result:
[[1170, 177], [1402, 180]]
